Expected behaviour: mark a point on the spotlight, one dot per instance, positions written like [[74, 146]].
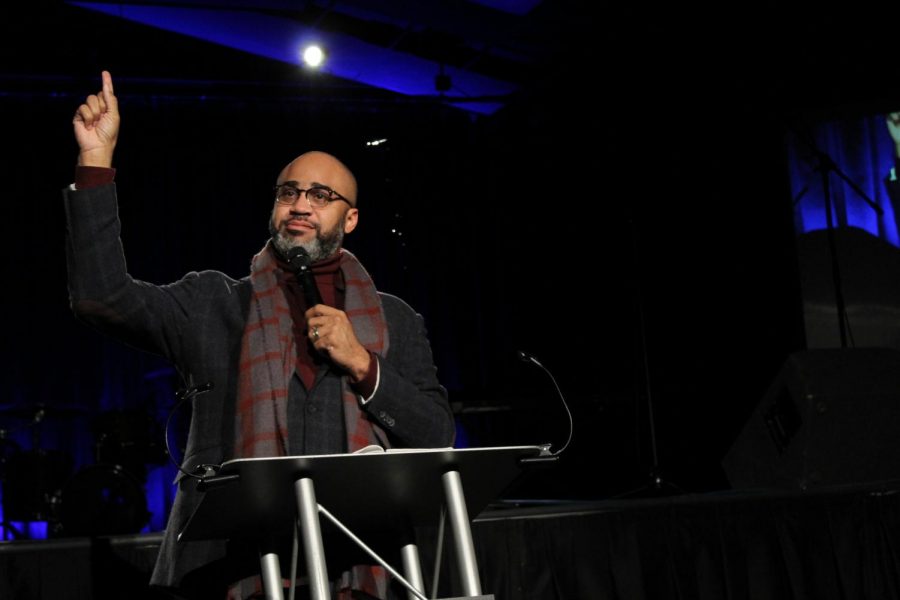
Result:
[[313, 56]]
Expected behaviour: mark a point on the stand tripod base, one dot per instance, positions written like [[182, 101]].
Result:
[[657, 486]]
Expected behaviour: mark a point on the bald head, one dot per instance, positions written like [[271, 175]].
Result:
[[320, 229], [322, 169]]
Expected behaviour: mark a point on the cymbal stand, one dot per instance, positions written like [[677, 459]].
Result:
[[825, 165], [656, 485]]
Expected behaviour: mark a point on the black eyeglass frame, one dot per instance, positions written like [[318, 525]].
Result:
[[330, 196]]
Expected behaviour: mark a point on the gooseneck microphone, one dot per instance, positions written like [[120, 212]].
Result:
[[187, 395], [525, 357], [301, 264]]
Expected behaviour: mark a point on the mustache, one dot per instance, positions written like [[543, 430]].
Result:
[[299, 218]]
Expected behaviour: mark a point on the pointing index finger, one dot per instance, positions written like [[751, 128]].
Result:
[[108, 93]]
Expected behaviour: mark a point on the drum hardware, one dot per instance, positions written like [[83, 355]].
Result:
[[102, 500], [8, 448], [105, 498], [30, 480], [131, 439], [32, 484]]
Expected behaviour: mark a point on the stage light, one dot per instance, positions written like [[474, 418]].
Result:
[[313, 56], [376, 142]]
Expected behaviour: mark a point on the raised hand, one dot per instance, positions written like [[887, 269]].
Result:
[[96, 125]]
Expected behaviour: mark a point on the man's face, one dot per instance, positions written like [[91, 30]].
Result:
[[318, 230]]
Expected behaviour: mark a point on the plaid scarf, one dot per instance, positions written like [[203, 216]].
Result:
[[267, 363], [268, 359]]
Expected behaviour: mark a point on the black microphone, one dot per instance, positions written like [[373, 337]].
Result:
[[301, 264]]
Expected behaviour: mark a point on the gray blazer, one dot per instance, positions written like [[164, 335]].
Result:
[[197, 323]]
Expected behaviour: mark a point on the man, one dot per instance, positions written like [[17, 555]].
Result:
[[287, 378]]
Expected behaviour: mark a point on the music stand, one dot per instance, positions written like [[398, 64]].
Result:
[[384, 493]]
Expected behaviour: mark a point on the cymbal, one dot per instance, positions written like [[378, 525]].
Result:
[[38, 411]]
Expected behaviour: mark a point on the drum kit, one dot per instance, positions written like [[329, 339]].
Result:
[[42, 484]]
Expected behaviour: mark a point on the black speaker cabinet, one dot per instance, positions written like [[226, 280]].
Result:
[[830, 417]]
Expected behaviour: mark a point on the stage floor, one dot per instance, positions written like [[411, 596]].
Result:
[[836, 542]]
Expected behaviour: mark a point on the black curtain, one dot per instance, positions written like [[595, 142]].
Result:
[[829, 545]]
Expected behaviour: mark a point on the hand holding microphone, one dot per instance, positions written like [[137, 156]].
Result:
[[330, 330]]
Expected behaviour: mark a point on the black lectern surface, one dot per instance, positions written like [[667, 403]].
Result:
[[368, 492]]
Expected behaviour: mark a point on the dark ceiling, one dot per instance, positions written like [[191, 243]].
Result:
[[776, 54], [669, 70], [391, 45]]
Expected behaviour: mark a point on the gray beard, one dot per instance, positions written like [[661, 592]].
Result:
[[323, 246]]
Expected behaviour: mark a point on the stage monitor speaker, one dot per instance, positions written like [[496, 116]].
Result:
[[830, 417]]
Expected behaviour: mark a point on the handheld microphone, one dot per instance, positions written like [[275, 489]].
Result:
[[301, 264], [525, 357]]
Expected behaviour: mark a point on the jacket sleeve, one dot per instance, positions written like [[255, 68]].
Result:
[[103, 294], [410, 403]]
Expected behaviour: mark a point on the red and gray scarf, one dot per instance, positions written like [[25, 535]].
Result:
[[267, 362], [268, 359]]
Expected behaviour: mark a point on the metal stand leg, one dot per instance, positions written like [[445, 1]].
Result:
[[307, 511], [414, 593], [412, 569], [462, 533], [271, 576]]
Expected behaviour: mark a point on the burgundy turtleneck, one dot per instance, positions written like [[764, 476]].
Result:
[[330, 282], [88, 177]]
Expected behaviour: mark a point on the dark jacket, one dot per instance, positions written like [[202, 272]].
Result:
[[197, 323]]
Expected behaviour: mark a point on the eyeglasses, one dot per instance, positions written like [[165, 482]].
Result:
[[317, 197]]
